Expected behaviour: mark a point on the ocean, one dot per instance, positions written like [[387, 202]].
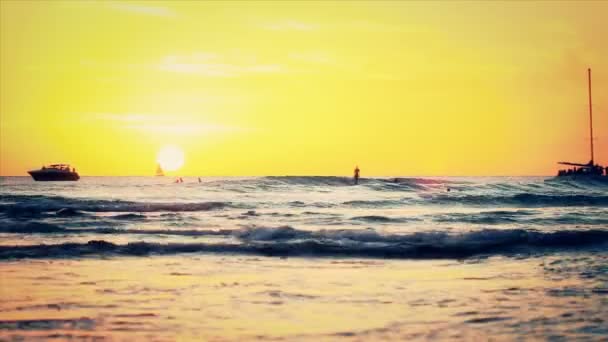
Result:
[[304, 258]]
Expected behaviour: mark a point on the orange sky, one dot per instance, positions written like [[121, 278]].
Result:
[[267, 88]]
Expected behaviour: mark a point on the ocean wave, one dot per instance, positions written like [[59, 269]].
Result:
[[383, 219], [521, 199], [378, 184], [312, 180], [29, 227], [578, 183], [300, 204], [523, 217], [81, 323], [129, 217], [69, 212], [271, 233], [489, 217], [374, 203], [27, 205], [11, 227], [287, 241], [573, 218]]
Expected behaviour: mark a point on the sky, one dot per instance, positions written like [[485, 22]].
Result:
[[302, 88]]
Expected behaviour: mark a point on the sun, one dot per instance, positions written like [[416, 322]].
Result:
[[170, 157]]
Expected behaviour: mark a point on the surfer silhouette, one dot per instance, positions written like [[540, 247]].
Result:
[[356, 177]]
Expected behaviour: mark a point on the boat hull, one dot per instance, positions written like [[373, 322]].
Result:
[[54, 176], [583, 178]]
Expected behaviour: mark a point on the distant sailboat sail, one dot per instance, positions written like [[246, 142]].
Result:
[[159, 170]]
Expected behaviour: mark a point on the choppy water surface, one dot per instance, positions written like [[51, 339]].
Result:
[[304, 258]]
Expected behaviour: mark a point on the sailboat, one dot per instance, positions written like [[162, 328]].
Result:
[[591, 170], [159, 170]]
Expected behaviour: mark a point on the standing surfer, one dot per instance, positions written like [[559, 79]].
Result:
[[356, 177]]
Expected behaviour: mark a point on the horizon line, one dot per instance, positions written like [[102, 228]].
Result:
[[302, 175]]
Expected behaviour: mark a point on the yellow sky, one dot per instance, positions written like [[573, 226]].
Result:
[[267, 88]]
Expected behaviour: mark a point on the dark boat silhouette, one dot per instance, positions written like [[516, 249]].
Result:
[[591, 170], [55, 172]]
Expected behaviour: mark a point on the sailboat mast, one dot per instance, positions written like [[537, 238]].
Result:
[[590, 113]]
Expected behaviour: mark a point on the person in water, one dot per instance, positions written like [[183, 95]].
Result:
[[356, 177]]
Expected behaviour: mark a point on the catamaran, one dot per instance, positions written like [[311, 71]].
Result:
[[591, 170]]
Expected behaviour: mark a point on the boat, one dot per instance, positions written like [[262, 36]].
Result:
[[55, 172], [159, 171], [590, 170]]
